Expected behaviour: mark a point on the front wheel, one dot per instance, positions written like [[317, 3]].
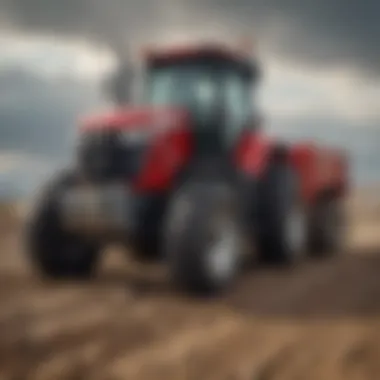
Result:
[[52, 251], [202, 238]]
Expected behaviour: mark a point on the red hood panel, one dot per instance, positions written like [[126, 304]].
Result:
[[134, 118]]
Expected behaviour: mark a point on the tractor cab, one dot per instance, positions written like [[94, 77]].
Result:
[[208, 90], [213, 85]]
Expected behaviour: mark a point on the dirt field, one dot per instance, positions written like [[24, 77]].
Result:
[[319, 321]]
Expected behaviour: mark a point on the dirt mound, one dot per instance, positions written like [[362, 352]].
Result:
[[10, 215], [319, 320]]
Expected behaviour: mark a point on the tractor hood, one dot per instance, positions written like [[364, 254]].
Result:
[[113, 145], [142, 119]]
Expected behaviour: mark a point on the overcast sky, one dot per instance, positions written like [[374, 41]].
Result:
[[321, 61]]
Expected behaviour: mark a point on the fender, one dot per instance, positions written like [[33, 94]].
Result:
[[320, 171], [252, 153], [300, 156], [166, 156]]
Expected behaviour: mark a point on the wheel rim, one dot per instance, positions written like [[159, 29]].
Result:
[[222, 254]]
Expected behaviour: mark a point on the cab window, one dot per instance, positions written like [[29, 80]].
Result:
[[237, 95]]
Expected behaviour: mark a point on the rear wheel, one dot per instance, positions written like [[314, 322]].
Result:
[[52, 251], [282, 217], [202, 238], [327, 226]]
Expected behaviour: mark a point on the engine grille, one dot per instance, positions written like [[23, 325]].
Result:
[[103, 156]]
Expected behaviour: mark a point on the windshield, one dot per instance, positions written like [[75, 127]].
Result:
[[193, 86], [215, 94]]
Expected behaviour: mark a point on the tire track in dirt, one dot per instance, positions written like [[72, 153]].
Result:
[[346, 285], [163, 333], [319, 320]]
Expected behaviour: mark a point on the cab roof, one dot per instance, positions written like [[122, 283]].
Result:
[[200, 50], [206, 51]]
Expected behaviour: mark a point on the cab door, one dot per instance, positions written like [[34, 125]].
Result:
[[237, 107]]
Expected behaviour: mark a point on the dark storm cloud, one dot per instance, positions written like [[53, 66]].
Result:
[[37, 123], [37, 115], [110, 22], [323, 32]]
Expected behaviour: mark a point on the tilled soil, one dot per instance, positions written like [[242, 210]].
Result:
[[319, 320]]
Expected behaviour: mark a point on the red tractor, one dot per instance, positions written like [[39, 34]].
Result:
[[188, 177]]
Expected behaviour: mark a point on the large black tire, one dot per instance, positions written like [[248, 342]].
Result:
[[52, 251], [282, 222], [202, 238], [327, 227]]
